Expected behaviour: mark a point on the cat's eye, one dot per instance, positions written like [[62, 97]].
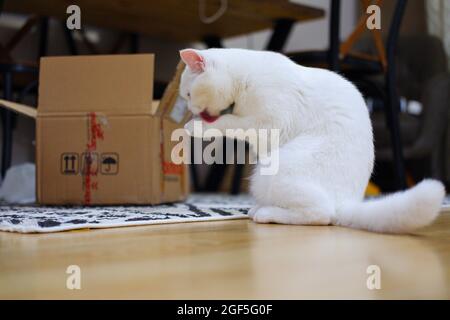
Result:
[[189, 94]]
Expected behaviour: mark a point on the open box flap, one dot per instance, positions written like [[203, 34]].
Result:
[[155, 105], [32, 112], [19, 108], [112, 84], [172, 106]]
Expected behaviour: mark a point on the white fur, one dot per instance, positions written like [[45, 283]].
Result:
[[326, 152]]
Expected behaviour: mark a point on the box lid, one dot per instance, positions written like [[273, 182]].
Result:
[[19, 108], [173, 106], [113, 84]]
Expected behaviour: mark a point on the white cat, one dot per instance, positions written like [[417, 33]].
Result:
[[326, 152]]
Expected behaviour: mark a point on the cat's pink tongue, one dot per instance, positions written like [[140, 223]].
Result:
[[207, 117]]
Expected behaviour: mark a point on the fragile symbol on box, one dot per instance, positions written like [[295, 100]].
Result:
[[69, 163], [109, 163], [89, 163]]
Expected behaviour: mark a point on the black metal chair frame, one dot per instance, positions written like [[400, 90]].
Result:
[[361, 68], [8, 70]]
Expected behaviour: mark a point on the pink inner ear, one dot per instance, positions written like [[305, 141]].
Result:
[[193, 60]]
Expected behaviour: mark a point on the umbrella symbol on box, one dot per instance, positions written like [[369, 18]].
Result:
[[110, 163]]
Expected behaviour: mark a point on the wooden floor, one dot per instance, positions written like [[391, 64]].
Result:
[[229, 259]]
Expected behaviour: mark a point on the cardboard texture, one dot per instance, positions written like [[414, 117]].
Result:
[[100, 138]]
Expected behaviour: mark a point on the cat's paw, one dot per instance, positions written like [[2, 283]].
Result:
[[264, 215], [290, 216], [251, 212]]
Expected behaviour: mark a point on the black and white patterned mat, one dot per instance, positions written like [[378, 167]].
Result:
[[206, 207], [199, 207]]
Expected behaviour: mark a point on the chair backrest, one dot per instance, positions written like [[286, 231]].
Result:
[[383, 53], [8, 47], [420, 58]]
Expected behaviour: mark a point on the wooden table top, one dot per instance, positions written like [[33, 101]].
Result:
[[172, 19], [227, 259]]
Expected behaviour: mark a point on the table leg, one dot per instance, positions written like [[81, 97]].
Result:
[[43, 37], [333, 51], [70, 40], [216, 171], [280, 34], [213, 42]]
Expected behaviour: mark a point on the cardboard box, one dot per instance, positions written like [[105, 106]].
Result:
[[100, 139]]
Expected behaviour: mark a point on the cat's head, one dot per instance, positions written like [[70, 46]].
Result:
[[206, 84]]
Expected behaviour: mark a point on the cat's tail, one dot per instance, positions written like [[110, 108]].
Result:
[[399, 212]]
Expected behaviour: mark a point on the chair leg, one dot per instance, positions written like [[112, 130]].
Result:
[[7, 118], [392, 110], [333, 51], [393, 103]]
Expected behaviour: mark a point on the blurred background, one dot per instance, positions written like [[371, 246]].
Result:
[[401, 68]]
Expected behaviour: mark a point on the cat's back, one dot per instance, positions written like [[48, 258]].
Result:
[[245, 60]]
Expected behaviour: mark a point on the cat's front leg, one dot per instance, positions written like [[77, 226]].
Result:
[[191, 128], [200, 129]]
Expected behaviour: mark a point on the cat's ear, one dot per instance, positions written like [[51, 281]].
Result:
[[193, 59]]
